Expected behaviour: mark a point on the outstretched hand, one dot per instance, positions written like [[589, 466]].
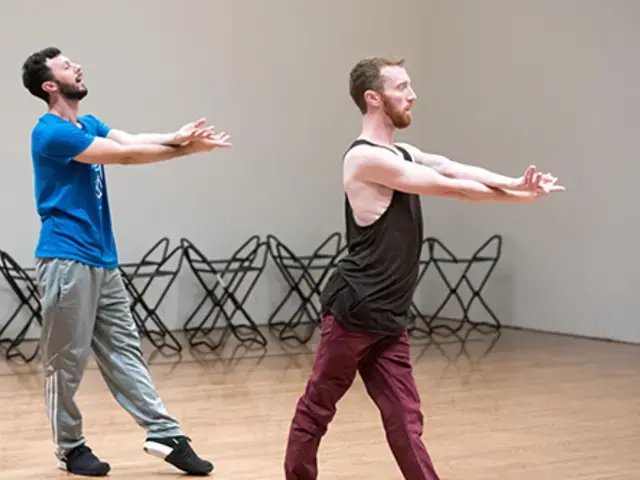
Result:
[[531, 180], [542, 190], [206, 137], [189, 132], [536, 182], [210, 141]]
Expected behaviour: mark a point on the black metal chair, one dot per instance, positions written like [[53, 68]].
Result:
[[23, 283], [158, 263], [445, 257], [298, 273], [226, 282]]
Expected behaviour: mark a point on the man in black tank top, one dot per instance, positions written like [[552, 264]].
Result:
[[366, 300], [373, 286]]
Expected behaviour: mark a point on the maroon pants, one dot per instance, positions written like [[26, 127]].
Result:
[[384, 364]]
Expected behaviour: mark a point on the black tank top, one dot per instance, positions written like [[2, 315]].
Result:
[[373, 285]]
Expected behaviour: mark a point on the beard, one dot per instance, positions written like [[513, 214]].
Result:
[[73, 91], [399, 118]]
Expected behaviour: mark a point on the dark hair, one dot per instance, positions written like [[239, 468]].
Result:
[[35, 71], [365, 75]]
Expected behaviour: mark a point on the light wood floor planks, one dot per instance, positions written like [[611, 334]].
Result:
[[536, 407]]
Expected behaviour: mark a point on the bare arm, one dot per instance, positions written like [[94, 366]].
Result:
[[186, 133], [453, 169], [106, 151], [124, 138], [379, 166]]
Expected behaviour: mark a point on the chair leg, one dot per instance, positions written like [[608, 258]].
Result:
[[245, 334], [13, 350]]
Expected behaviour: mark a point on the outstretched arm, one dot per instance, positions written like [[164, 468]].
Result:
[[452, 169], [376, 165], [106, 151], [178, 137], [67, 143], [124, 138]]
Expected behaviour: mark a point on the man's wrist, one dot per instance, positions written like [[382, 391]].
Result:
[[523, 196], [172, 140], [512, 184], [184, 149]]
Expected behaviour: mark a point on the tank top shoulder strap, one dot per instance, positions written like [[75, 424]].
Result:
[[362, 141], [405, 153]]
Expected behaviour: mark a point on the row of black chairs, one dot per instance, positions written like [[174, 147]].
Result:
[[227, 283], [23, 284]]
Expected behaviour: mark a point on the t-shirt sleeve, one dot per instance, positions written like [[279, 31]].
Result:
[[102, 129], [65, 142]]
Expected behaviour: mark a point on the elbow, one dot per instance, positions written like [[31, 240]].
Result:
[[449, 169]]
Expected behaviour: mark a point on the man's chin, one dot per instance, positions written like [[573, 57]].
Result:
[[404, 123], [77, 95]]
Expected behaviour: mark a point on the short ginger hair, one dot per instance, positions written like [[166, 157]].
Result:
[[365, 75]]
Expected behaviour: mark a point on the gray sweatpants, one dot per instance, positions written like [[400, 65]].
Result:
[[86, 309]]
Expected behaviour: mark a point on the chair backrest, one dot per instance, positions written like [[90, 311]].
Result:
[[149, 269], [15, 275], [161, 246], [476, 256], [229, 273], [251, 256], [323, 249], [329, 256], [288, 262]]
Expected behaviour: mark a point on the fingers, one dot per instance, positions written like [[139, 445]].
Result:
[[549, 185], [200, 122], [208, 143], [544, 183], [222, 140], [207, 132], [537, 178], [551, 188], [533, 180], [528, 175], [197, 124], [200, 133], [548, 179]]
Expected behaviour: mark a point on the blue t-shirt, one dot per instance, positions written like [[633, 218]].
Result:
[[71, 197]]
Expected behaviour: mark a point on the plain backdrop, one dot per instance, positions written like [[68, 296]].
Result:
[[501, 84]]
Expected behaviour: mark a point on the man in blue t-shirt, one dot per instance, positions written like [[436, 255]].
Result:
[[84, 303]]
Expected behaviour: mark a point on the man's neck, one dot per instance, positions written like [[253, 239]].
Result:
[[377, 130], [67, 110]]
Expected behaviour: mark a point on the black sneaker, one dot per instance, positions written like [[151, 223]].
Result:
[[178, 452], [82, 461]]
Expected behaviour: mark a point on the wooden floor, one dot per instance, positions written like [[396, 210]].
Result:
[[515, 407]]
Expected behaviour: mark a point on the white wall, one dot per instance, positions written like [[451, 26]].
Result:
[[273, 74], [502, 84], [506, 84]]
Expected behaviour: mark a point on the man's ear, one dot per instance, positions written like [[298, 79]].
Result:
[[372, 98], [50, 86]]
